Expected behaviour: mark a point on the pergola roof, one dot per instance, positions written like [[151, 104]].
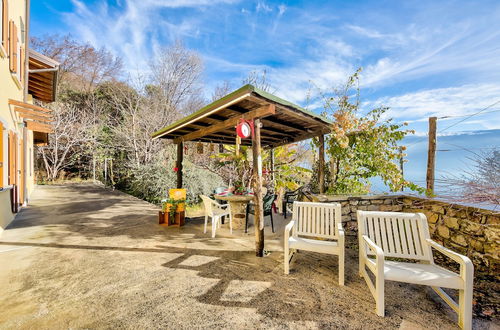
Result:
[[282, 122]]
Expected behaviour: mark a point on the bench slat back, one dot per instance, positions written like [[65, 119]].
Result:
[[400, 235], [316, 219]]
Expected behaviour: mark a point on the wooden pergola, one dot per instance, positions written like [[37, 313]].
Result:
[[276, 121]]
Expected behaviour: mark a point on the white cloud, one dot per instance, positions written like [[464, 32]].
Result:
[[306, 46], [135, 30], [460, 48], [440, 102]]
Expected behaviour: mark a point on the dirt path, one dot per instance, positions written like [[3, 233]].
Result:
[[84, 257]]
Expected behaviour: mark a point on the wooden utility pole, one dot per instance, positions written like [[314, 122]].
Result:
[[257, 189], [431, 156], [180, 157], [401, 166], [321, 164]]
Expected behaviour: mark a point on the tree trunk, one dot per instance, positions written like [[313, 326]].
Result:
[[257, 175], [321, 165]]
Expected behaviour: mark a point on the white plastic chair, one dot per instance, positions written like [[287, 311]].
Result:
[[313, 227], [216, 211], [406, 235]]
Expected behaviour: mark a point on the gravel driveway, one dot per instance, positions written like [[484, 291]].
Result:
[[81, 256]]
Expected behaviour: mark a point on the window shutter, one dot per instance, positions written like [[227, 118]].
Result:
[[13, 46], [21, 63], [1, 155], [5, 26], [12, 158]]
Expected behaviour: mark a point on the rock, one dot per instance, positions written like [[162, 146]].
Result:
[[377, 201], [364, 203], [476, 245], [488, 311], [443, 231], [459, 239], [472, 227], [407, 201], [493, 220], [386, 208], [373, 208], [451, 222], [354, 202], [397, 208], [453, 212], [492, 234], [491, 248], [433, 218], [345, 210], [437, 208]]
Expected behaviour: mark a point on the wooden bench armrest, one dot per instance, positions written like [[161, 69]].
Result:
[[340, 232], [288, 228], [379, 253], [466, 265]]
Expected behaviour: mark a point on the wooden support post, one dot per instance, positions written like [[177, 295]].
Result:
[[257, 189], [238, 142], [431, 155], [401, 166], [321, 164], [180, 157], [271, 157]]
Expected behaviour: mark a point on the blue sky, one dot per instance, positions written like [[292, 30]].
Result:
[[421, 58]]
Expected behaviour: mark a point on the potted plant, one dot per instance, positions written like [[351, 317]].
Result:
[[171, 209], [239, 188]]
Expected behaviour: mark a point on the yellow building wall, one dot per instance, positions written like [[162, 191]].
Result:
[[10, 89]]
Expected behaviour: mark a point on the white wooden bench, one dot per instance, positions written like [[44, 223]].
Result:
[[406, 235], [311, 221]]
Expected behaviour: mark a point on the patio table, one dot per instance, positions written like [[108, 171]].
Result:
[[238, 207]]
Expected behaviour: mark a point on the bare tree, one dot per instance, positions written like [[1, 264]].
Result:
[[70, 136], [259, 80], [480, 183], [221, 90], [174, 91], [83, 67], [176, 75]]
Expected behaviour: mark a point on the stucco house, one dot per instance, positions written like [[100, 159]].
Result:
[[25, 76]]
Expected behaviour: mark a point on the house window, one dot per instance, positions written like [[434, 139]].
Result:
[[20, 56], [13, 45], [12, 158], [4, 25]]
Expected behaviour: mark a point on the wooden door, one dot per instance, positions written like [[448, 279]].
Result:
[[22, 179], [13, 170]]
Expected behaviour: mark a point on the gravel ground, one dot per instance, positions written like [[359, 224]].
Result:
[[81, 256]]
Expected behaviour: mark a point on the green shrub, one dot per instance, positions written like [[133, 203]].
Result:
[[151, 182]]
